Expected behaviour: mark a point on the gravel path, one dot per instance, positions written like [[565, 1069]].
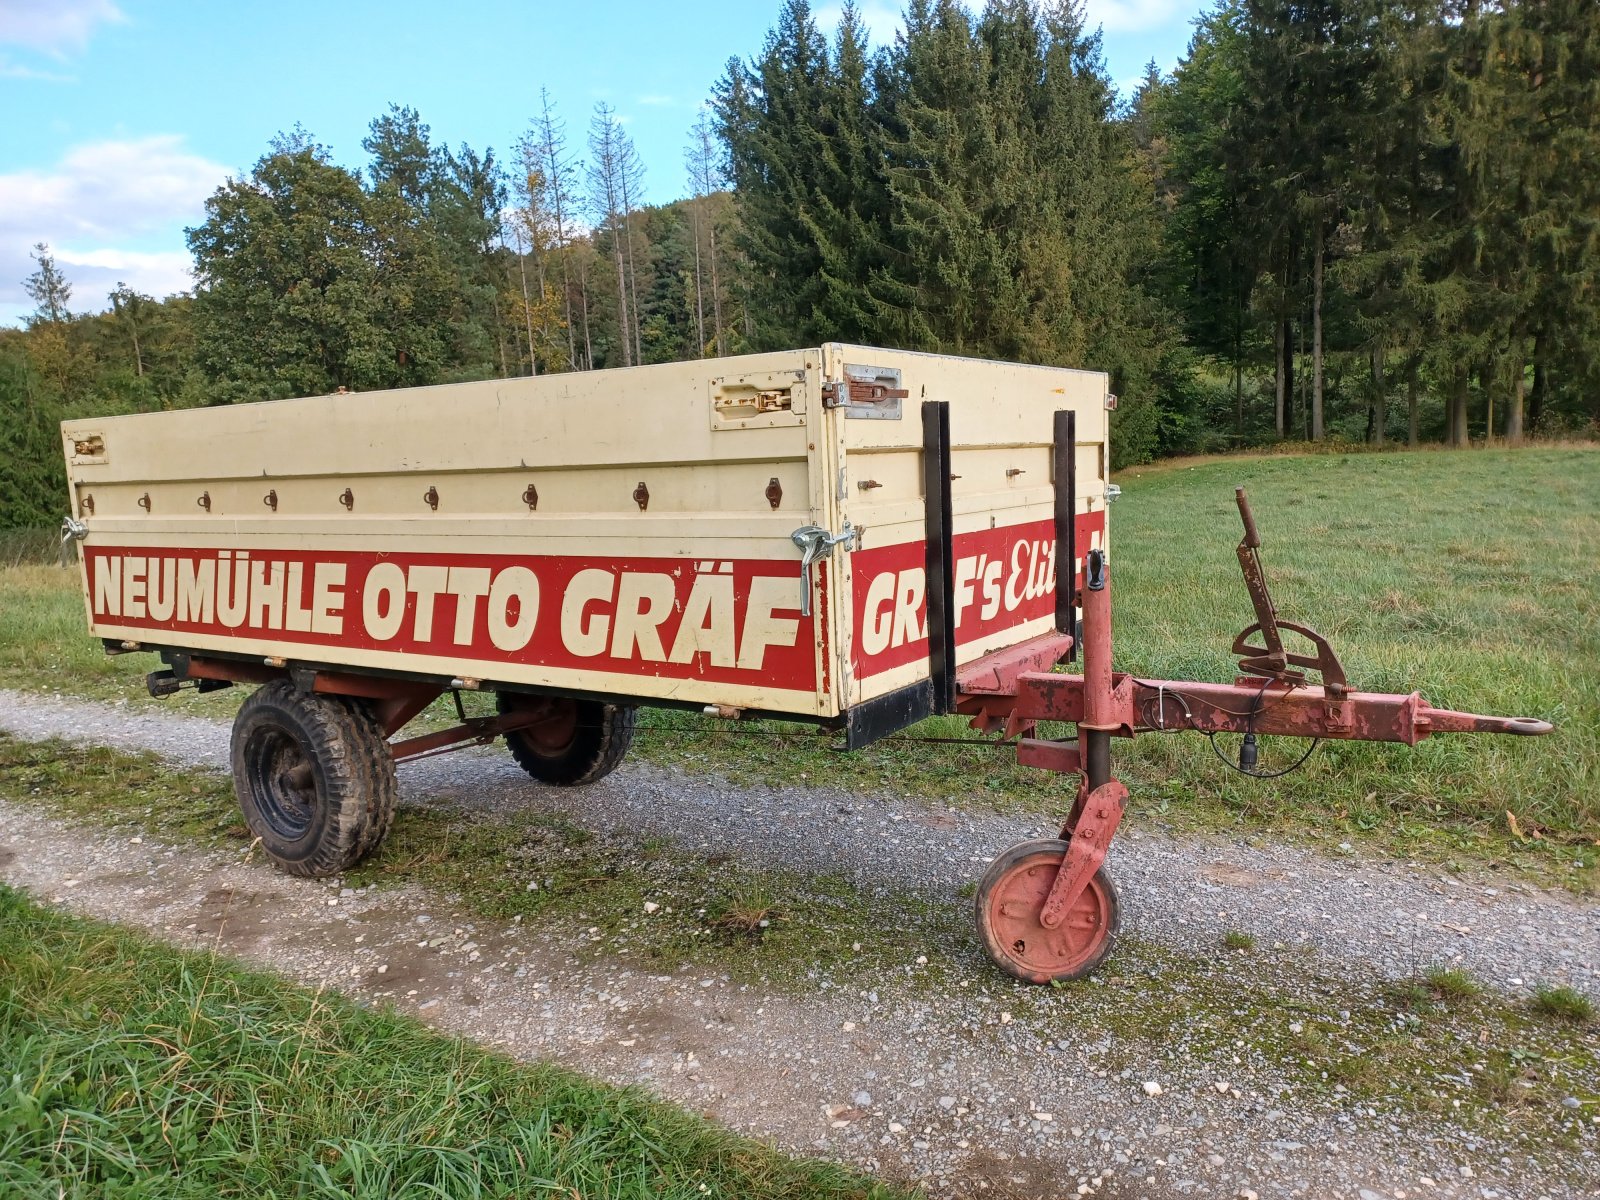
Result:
[[985, 1089], [1388, 918]]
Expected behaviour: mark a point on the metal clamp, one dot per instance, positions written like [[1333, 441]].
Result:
[[72, 530], [815, 541]]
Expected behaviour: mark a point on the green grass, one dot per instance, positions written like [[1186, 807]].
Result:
[[1450, 984], [136, 1071], [1468, 576], [1563, 1004], [1236, 940]]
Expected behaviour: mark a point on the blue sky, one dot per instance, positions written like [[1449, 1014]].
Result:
[[122, 116]]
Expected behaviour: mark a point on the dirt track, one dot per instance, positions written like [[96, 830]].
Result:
[[984, 1088]]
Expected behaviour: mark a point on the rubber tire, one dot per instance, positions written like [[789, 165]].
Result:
[[383, 788], [601, 737], [350, 805], [1013, 859]]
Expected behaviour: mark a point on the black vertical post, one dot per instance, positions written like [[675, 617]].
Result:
[[940, 559], [1066, 453]]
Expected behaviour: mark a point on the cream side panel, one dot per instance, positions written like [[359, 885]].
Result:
[[585, 419], [1002, 430]]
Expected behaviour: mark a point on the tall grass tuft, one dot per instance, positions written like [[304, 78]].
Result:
[[134, 1070]]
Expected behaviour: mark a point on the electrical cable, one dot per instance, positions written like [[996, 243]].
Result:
[[1162, 692]]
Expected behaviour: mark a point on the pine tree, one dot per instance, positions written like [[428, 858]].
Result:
[[766, 116], [48, 288], [607, 165]]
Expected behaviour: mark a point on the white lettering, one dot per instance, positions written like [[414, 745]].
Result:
[[197, 590], [233, 589], [426, 583], [588, 586], [468, 585], [107, 586], [133, 588], [327, 598], [266, 594], [386, 582], [513, 608], [762, 628], [967, 572], [163, 597], [878, 616], [1018, 577], [296, 616], [707, 625], [907, 628], [643, 601], [991, 590]]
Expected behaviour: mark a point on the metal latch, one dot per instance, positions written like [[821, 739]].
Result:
[[871, 392], [815, 541], [72, 530]]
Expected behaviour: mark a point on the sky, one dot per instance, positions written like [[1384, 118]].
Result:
[[119, 117]]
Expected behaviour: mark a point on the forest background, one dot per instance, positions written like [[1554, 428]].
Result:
[[1336, 221]]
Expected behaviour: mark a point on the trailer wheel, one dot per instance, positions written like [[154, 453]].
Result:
[[575, 741], [1011, 895], [314, 778]]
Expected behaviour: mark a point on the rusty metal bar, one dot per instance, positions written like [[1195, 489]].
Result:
[[1251, 706], [478, 729], [1099, 719]]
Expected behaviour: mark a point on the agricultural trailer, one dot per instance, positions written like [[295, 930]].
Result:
[[854, 537]]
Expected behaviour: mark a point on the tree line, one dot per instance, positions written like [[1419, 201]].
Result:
[[1356, 219]]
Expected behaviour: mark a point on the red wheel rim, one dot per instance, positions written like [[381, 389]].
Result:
[[555, 728], [1012, 911]]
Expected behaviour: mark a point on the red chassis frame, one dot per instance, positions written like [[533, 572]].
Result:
[[1026, 921]]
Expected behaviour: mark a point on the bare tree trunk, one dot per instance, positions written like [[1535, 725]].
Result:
[[1486, 381], [633, 280], [1541, 384], [527, 303], [588, 346], [622, 299], [1380, 401], [1519, 368], [500, 337], [1456, 433], [716, 288], [1280, 374], [1316, 336], [556, 170], [1411, 400], [1238, 364], [699, 291]]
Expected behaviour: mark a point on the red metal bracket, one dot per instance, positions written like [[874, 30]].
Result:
[[1097, 822]]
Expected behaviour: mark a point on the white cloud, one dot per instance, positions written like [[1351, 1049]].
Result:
[[56, 27], [10, 70], [94, 273], [109, 211], [881, 18], [1137, 16]]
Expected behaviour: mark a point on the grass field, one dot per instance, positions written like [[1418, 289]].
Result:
[[1468, 576], [135, 1071]]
